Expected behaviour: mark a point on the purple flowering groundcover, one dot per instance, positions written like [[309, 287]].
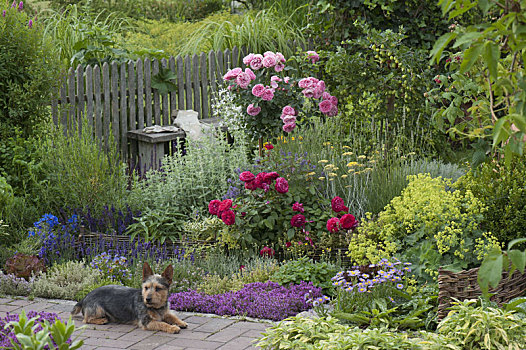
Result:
[[266, 300], [7, 334]]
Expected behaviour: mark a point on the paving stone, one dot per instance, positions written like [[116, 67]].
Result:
[[214, 325], [152, 342], [8, 308], [252, 333], [239, 343], [254, 325], [87, 347], [197, 319], [226, 334], [20, 302], [136, 335], [193, 343], [193, 335], [102, 334], [112, 343]]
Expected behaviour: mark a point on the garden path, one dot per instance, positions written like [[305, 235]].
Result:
[[203, 332]]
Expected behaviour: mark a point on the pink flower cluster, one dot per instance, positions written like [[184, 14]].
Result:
[[315, 88], [242, 79], [345, 221], [288, 115], [223, 210], [268, 60], [313, 56], [266, 93]]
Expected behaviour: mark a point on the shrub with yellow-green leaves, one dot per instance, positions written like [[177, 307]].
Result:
[[430, 223]]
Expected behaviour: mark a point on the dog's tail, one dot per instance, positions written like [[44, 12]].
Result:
[[77, 308]]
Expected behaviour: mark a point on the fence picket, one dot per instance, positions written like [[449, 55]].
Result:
[[89, 95], [97, 117], [197, 86], [219, 69], [123, 112], [63, 104], [156, 97], [188, 81], [235, 56], [115, 102], [71, 98], [204, 86], [107, 103], [173, 95], [132, 93], [165, 99], [140, 95], [180, 83], [80, 97], [148, 91], [227, 59], [212, 70]]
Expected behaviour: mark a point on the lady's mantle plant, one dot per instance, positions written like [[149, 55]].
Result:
[[272, 100]]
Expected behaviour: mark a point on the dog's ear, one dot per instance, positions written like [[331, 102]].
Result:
[[168, 273], [146, 271]]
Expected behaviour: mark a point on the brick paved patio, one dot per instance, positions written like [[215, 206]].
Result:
[[203, 332]]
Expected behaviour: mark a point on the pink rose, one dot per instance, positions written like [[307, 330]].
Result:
[[313, 56], [333, 112], [289, 127], [308, 92], [325, 106], [303, 83], [232, 74], [288, 110], [326, 96], [279, 67], [258, 90], [297, 220], [253, 111], [256, 62], [289, 119], [267, 95], [250, 73], [248, 58], [280, 57], [298, 207], [348, 221], [269, 60], [282, 185], [246, 176], [337, 204], [333, 225], [228, 217], [243, 80], [213, 206], [334, 100]]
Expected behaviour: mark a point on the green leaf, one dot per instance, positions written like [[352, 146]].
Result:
[[484, 5], [518, 259], [499, 132], [470, 57], [515, 242], [490, 272], [440, 45], [491, 57]]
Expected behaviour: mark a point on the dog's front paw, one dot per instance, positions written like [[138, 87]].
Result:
[[173, 329], [182, 324]]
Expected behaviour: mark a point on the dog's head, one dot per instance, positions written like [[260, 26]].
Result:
[[155, 288]]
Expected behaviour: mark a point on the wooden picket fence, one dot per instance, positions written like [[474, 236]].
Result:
[[120, 95]]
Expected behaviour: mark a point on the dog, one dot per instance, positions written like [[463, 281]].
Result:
[[146, 307]]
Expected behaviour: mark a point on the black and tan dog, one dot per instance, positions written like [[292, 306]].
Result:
[[147, 308]]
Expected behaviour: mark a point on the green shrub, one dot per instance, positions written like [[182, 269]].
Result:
[[29, 70], [429, 217], [80, 174], [502, 189], [85, 290], [483, 328], [215, 284], [304, 269], [64, 281], [12, 285], [6, 195], [202, 229]]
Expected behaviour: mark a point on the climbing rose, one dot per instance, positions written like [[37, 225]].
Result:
[[213, 206], [246, 176], [243, 80], [269, 60], [288, 110], [325, 106], [298, 207], [256, 62], [232, 74], [337, 204], [267, 95], [228, 217], [297, 220], [250, 73], [247, 59], [253, 111], [348, 221], [333, 225], [258, 90], [282, 186]]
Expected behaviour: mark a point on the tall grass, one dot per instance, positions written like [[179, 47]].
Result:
[[76, 24], [259, 32], [366, 172]]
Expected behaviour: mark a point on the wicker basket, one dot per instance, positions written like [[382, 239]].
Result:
[[463, 285]]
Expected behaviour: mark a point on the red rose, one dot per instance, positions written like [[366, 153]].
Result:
[[282, 186], [333, 225], [297, 220], [269, 146], [246, 176], [213, 206], [271, 176], [337, 204], [348, 221], [251, 185], [226, 204], [228, 217], [266, 251], [260, 179], [298, 207], [288, 244]]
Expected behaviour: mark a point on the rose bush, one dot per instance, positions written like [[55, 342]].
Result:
[[272, 100]]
